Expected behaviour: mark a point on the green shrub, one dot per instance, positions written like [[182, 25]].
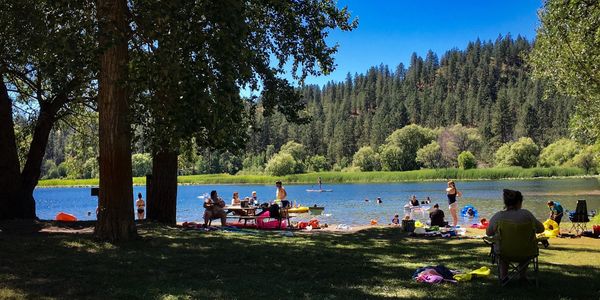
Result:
[[522, 153], [281, 164], [409, 139], [141, 164], [391, 158], [91, 169], [559, 153], [588, 159], [317, 163], [366, 159], [297, 150], [466, 160], [49, 169], [431, 156]]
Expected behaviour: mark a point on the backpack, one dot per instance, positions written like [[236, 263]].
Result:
[[274, 211]]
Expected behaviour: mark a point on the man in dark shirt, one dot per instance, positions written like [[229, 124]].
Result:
[[437, 216]]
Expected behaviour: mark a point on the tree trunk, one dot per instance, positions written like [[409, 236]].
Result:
[[115, 217], [10, 177], [31, 172], [162, 204]]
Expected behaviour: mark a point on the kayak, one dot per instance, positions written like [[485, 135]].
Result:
[[61, 216], [297, 210], [319, 191]]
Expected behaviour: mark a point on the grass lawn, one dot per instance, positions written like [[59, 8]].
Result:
[[352, 177], [377, 263]]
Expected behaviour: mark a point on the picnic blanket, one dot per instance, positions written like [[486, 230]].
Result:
[[440, 273]]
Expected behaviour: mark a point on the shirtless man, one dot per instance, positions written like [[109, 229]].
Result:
[[141, 205], [281, 194]]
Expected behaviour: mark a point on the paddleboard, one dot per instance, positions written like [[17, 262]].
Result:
[[319, 191]]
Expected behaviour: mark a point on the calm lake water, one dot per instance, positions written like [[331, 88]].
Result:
[[346, 203]]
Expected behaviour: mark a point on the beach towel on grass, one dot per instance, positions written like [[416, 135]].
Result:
[[431, 274]]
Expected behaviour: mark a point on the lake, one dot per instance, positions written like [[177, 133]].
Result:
[[346, 203]]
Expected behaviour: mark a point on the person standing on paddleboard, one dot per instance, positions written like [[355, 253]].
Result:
[[320, 182]]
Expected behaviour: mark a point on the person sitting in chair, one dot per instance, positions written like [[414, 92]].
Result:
[[513, 201], [254, 199], [235, 199], [213, 208], [556, 211]]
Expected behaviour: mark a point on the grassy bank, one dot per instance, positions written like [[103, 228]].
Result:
[[352, 177], [168, 263]]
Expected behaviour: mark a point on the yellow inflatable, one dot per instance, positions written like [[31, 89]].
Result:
[[298, 210], [551, 228], [418, 224]]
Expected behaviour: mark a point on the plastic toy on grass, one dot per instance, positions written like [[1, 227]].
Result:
[[551, 228]]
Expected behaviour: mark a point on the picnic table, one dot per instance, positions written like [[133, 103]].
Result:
[[249, 213]]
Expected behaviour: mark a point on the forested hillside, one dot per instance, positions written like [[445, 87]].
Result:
[[486, 87]]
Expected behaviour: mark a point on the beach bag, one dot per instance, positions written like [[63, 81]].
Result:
[[408, 225]]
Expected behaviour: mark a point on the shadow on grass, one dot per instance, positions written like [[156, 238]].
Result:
[[373, 264]]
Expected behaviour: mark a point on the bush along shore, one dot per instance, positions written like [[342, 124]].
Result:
[[353, 177]]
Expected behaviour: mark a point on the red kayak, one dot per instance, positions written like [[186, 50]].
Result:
[[61, 216]]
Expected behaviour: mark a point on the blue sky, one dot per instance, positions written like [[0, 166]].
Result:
[[389, 31]]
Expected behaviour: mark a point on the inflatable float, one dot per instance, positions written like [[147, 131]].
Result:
[[65, 217], [314, 223], [483, 224], [465, 209], [551, 228], [272, 224]]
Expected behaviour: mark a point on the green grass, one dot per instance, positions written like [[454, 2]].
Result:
[[352, 177], [169, 263]]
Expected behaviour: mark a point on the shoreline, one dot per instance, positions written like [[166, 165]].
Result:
[[351, 177]]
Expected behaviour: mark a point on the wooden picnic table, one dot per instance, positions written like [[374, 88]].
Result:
[[250, 213], [251, 210]]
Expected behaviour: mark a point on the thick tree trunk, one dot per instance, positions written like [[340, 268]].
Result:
[[115, 217], [162, 203], [10, 177], [31, 172]]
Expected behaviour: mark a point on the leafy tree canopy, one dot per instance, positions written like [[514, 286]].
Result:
[[567, 51]]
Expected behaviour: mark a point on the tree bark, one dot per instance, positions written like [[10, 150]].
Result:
[[115, 217], [10, 177], [32, 169], [162, 203]]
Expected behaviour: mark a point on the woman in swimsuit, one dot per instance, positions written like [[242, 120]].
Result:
[[452, 193], [140, 204]]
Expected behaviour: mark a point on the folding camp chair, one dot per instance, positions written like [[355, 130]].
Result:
[[515, 244], [579, 218]]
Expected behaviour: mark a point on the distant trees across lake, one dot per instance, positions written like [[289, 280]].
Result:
[[480, 102]]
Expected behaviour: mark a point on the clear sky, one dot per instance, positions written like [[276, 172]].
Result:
[[389, 31]]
